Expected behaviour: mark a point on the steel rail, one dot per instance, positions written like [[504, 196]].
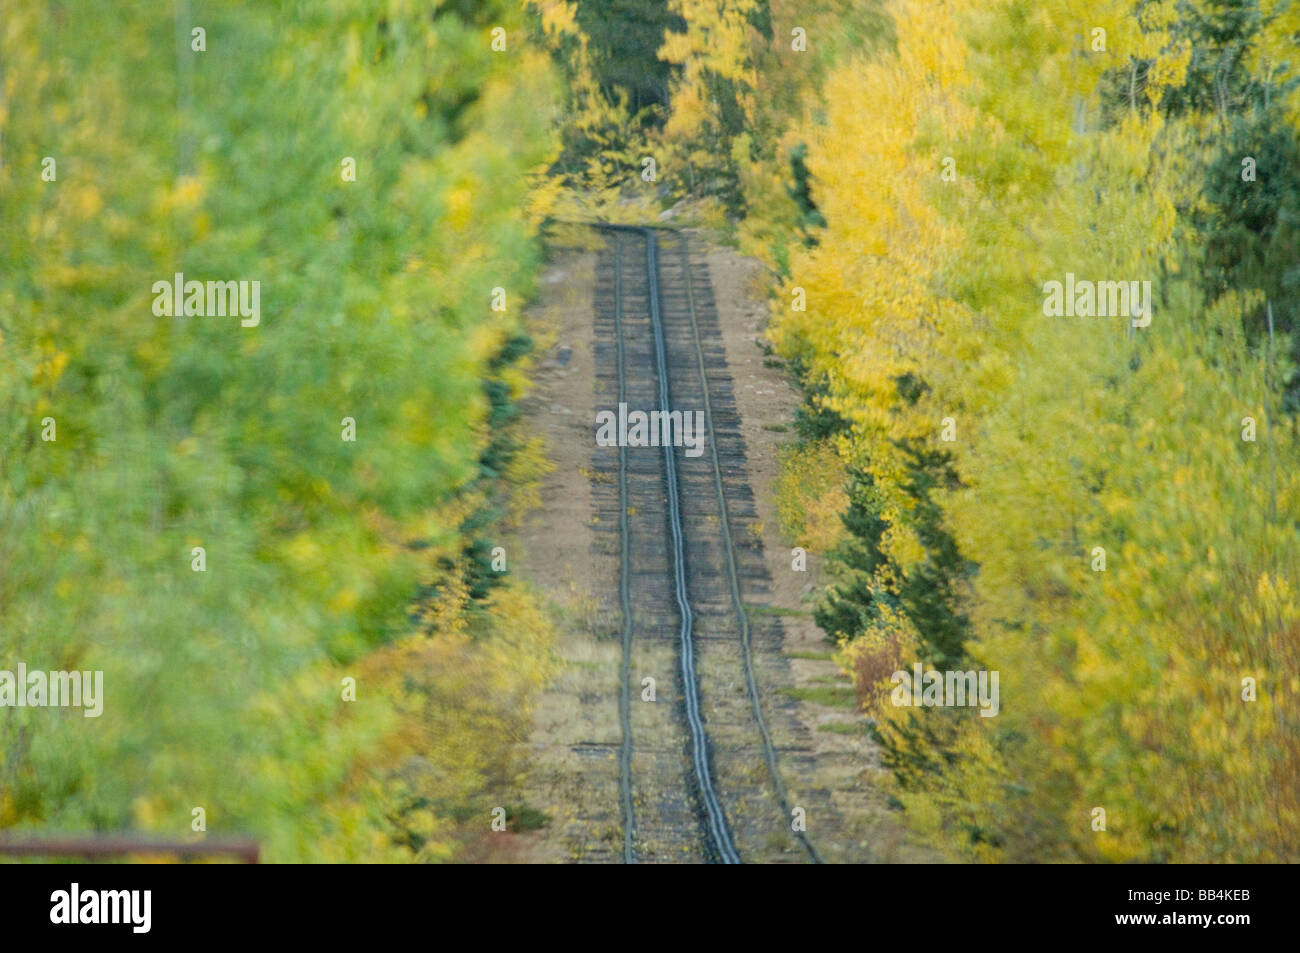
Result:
[[719, 832], [699, 739], [624, 593], [733, 575]]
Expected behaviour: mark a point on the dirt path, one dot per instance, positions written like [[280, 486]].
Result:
[[828, 764]]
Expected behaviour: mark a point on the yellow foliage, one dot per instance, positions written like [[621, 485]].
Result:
[[810, 495]]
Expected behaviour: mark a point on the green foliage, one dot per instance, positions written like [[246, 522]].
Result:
[[1233, 96], [933, 587], [800, 189], [625, 36], [848, 607], [1252, 228], [222, 687]]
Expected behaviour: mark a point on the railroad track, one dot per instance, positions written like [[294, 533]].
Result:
[[683, 795]]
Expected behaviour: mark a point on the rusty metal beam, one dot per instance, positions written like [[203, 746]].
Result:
[[90, 845]]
